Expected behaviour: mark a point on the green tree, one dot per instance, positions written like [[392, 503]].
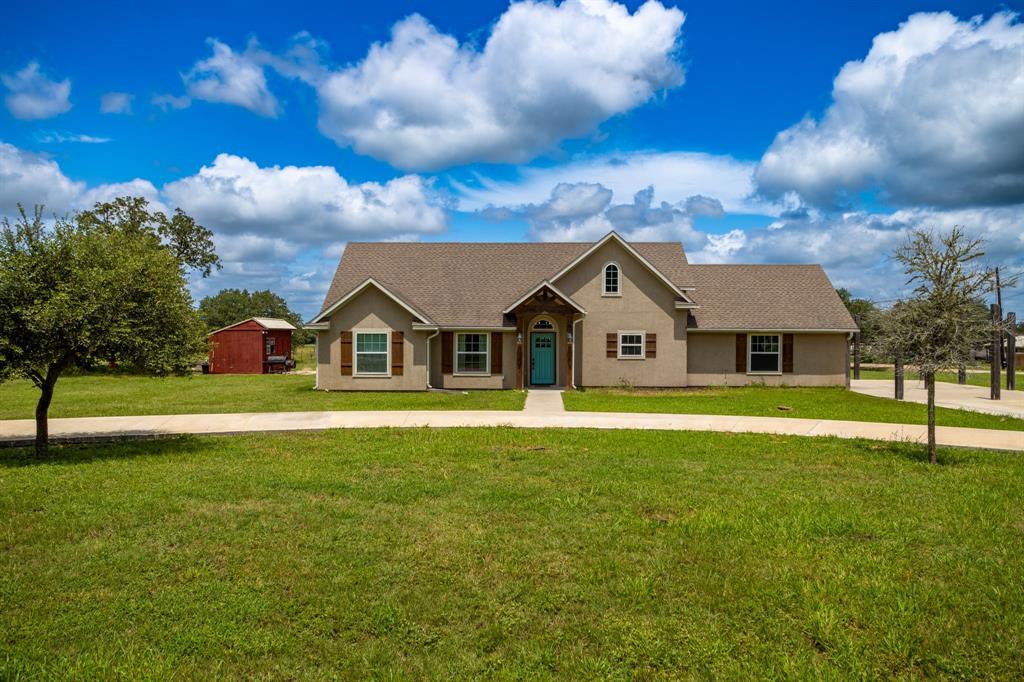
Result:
[[106, 285], [234, 305], [866, 313], [944, 320]]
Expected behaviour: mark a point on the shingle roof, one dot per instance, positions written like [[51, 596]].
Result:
[[766, 297], [468, 284]]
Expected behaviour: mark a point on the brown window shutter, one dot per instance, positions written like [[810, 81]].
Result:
[[397, 353], [612, 345], [496, 348], [346, 354], [787, 353], [741, 353], [446, 352], [651, 346]]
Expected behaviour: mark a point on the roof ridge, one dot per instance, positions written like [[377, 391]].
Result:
[[468, 243]]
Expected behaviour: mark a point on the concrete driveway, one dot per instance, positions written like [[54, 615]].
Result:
[[946, 395], [20, 431]]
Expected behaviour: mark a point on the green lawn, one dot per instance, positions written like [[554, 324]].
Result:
[[765, 401], [119, 394], [468, 553], [973, 378]]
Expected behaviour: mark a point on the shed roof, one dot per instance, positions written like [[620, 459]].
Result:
[[265, 322]]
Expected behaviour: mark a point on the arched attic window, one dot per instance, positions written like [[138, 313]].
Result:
[[611, 280]]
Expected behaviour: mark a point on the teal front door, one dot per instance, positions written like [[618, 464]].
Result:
[[542, 359]]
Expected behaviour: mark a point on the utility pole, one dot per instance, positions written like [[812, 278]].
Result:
[[999, 302], [995, 371], [1011, 351]]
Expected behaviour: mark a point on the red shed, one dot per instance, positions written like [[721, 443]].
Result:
[[259, 345]]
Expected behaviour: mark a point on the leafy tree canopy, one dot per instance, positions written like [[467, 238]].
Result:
[[108, 284], [942, 322]]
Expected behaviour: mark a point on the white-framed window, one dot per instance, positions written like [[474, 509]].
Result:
[[271, 345], [612, 275], [372, 352], [764, 355], [631, 345], [472, 353]]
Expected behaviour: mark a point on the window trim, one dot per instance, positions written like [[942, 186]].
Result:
[[643, 345], [604, 280], [455, 354], [355, 354], [778, 354]]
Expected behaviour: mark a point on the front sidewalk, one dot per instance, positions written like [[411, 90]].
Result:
[[21, 431]]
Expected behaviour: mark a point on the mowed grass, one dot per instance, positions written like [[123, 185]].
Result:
[[766, 401], [101, 395], [500, 553]]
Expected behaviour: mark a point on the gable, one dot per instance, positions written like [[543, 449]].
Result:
[[624, 250], [640, 287]]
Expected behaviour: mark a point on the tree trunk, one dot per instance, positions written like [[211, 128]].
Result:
[[929, 382], [42, 417]]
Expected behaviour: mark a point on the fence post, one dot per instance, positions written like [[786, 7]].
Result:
[[995, 369], [898, 373]]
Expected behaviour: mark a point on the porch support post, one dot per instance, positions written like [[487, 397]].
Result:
[[569, 341], [520, 339]]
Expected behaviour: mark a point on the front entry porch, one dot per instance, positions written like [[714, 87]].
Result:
[[544, 321]]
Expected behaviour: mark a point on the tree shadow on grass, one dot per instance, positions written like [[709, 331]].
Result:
[[84, 453], [918, 452]]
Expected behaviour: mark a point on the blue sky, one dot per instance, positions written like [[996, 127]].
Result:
[[793, 132]]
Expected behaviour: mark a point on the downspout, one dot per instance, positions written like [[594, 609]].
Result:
[[436, 332], [316, 360], [575, 340]]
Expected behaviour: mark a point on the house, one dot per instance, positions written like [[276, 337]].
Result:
[[410, 316], [259, 345]]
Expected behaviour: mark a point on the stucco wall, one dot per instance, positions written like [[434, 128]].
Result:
[[507, 378], [371, 309], [646, 305], [818, 360]]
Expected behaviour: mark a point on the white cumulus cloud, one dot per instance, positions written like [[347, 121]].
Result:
[[311, 203], [677, 176], [31, 95], [228, 77], [116, 103], [31, 179], [423, 101], [934, 114], [584, 212]]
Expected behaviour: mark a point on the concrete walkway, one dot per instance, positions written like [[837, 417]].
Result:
[[946, 395], [544, 401], [92, 428]]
